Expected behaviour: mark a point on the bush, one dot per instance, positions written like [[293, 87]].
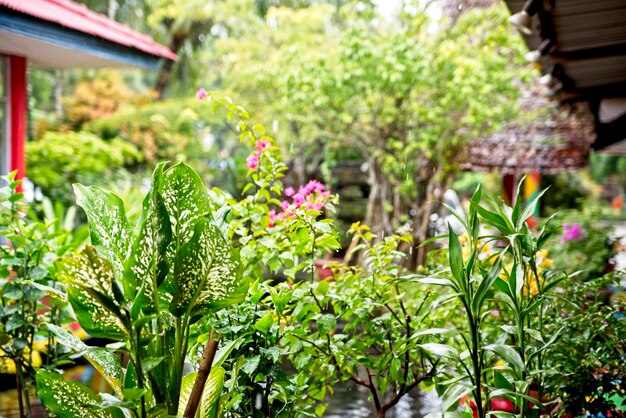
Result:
[[585, 244], [61, 158]]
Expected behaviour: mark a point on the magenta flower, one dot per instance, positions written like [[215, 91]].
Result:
[[572, 232], [201, 93], [261, 145], [289, 191], [252, 161]]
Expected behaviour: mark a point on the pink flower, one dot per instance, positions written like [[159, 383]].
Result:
[[252, 161], [298, 199], [289, 191], [201, 93], [261, 145], [573, 232], [284, 205]]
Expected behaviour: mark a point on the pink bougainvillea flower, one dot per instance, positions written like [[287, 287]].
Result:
[[261, 145], [252, 161], [201, 93], [289, 191], [572, 232]]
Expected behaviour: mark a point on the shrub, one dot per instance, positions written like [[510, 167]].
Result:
[[60, 158]]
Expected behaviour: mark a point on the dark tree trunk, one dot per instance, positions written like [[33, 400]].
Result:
[[166, 69]]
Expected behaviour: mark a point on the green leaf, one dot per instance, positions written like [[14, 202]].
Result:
[[109, 229], [147, 265], [90, 282], [326, 323], [502, 382], [485, 285], [453, 394], [529, 209], [223, 353], [455, 255], [67, 399], [508, 354], [207, 272], [495, 220], [186, 200], [209, 403], [440, 350], [264, 324], [104, 361]]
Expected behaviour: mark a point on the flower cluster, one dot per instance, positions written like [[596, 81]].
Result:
[[253, 159], [312, 196], [572, 232]]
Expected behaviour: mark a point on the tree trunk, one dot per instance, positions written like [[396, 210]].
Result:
[[112, 9], [166, 69], [377, 217]]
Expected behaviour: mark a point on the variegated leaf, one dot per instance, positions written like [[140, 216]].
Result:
[[109, 229], [147, 265], [104, 361], [67, 399], [207, 271], [186, 199], [210, 395], [91, 286]]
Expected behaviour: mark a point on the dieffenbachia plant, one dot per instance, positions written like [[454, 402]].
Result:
[[144, 286]]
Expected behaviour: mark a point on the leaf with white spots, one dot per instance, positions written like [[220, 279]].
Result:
[[68, 399], [207, 272], [147, 266], [186, 199], [109, 229], [104, 361], [91, 287]]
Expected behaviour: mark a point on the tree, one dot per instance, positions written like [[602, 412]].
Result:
[[407, 99]]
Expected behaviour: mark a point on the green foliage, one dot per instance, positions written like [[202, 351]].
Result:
[[145, 286], [60, 158], [366, 327], [499, 269], [589, 355], [27, 275], [253, 331], [591, 253]]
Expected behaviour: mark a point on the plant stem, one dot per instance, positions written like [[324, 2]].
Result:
[[476, 362], [203, 374]]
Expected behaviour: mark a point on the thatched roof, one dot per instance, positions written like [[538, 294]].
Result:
[[552, 143]]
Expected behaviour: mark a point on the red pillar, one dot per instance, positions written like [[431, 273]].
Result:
[[18, 104]]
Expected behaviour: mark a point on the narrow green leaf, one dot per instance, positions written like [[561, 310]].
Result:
[[508, 354], [485, 285], [455, 256]]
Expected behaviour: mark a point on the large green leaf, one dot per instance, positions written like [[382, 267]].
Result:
[[207, 271], [67, 399], [104, 361], [108, 226], [210, 395], [90, 285], [147, 266], [186, 200]]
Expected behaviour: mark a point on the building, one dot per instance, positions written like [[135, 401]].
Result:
[[57, 34]]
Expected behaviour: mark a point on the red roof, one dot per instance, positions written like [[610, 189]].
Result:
[[78, 17]]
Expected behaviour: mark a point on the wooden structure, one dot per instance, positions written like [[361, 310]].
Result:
[[581, 48]]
